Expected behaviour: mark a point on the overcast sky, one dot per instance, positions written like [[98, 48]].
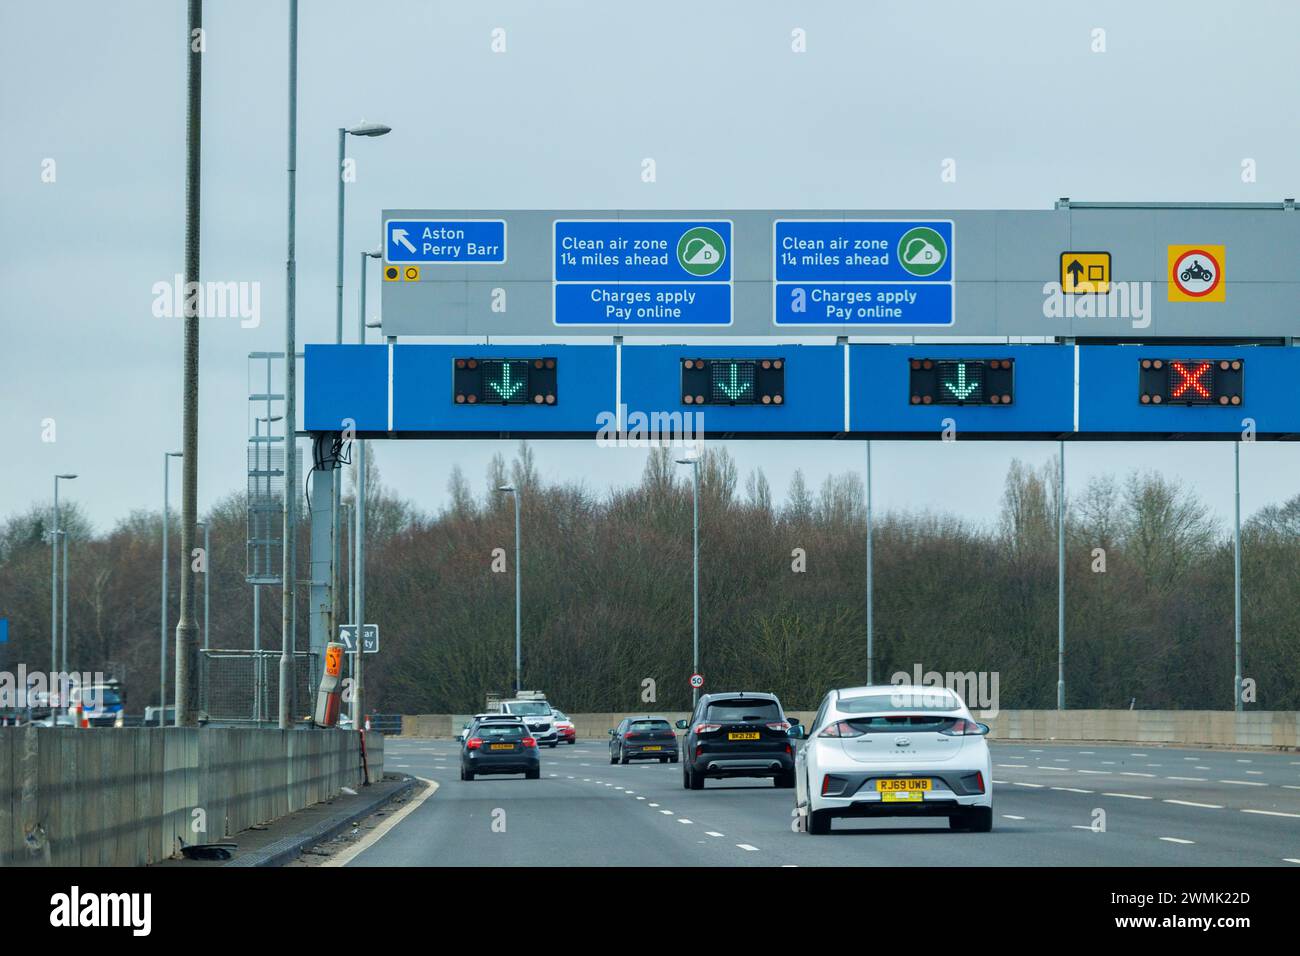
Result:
[[885, 92]]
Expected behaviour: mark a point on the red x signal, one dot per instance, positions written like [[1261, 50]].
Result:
[[1190, 378]]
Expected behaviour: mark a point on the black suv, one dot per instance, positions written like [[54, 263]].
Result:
[[737, 735]]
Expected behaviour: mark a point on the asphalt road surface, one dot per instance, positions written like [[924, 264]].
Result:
[[1162, 807]]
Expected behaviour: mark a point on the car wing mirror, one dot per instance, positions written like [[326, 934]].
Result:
[[681, 725]]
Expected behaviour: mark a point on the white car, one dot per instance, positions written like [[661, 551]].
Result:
[[893, 750]]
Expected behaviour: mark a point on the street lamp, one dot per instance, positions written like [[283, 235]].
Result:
[[54, 579], [695, 561], [207, 566], [359, 547], [367, 130], [64, 583], [162, 628], [519, 678]]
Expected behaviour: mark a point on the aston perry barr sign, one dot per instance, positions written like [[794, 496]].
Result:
[[1078, 271], [415, 241]]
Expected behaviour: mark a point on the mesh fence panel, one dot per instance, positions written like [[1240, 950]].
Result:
[[244, 686]]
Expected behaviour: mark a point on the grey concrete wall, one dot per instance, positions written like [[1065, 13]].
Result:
[[128, 796], [1215, 728]]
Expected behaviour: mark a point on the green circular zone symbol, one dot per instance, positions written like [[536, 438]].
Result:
[[922, 251], [701, 251]]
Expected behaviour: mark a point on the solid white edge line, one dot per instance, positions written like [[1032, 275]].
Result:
[[1076, 388], [846, 383], [378, 833]]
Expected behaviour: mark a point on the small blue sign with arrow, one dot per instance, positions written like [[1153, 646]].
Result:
[[445, 241]]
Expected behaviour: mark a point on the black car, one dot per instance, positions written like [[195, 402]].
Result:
[[499, 746], [643, 738], [739, 734]]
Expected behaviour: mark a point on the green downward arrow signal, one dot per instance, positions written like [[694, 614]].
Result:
[[506, 388], [962, 389], [733, 388]]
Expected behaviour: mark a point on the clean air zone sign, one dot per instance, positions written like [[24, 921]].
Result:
[[1196, 274], [857, 273]]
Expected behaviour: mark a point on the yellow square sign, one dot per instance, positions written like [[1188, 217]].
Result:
[[392, 273], [1196, 274], [411, 273], [1085, 273]]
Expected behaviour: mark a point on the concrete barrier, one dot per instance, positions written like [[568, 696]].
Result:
[[1191, 728], [129, 796]]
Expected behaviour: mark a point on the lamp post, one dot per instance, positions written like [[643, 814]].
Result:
[[519, 676], [359, 569], [695, 562], [162, 627], [54, 579], [207, 567], [64, 584], [366, 130]]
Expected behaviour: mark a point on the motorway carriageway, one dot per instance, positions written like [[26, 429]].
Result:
[[1163, 807]]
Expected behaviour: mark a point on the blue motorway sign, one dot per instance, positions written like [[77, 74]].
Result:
[[445, 241], [863, 272], [614, 272]]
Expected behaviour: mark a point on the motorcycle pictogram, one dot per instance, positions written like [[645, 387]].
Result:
[[1196, 271]]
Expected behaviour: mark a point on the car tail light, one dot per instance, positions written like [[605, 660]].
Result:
[[629, 736], [781, 725], [530, 742], [707, 728], [841, 729], [832, 785], [979, 780], [962, 728], [473, 743]]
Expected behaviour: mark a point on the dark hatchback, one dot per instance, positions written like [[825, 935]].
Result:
[[739, 734], [499, 747], [643, 738]]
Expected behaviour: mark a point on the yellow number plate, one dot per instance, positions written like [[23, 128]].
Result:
[[652, 748], [748, 736], [503, 746], [903, 784]]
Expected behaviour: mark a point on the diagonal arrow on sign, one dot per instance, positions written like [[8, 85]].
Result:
[[399, 236]]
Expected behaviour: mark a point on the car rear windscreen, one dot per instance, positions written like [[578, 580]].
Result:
[[913, 700], [649, 726], [915, 723], [501, 731], [722, 710]]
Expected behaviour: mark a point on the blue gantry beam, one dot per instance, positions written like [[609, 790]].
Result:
[[847, 390]]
